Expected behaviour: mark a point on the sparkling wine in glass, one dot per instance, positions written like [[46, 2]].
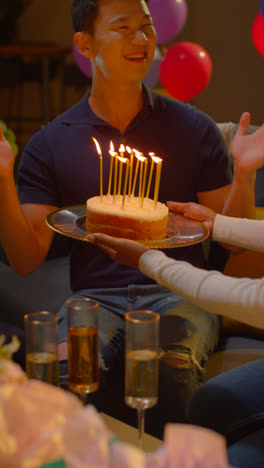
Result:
[[41, 331], [83, 352], [142, 363]]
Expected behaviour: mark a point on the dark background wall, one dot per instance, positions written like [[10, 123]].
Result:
[[222, 27]]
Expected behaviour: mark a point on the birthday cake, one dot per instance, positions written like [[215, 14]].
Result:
[[122, 213], [134, 220]]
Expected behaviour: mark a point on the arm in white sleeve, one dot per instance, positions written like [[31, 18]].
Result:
[[238, 298], [246, 233]]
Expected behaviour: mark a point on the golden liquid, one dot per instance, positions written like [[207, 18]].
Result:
[[43, 366], [83, 362], [141, 378]]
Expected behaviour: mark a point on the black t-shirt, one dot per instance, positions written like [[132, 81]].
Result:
[[60, 167]]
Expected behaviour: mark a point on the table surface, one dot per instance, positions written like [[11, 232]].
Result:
[[129, 434]]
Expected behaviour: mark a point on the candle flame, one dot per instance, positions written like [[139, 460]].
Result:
[[156, 159], [123, 160], [129, 150], [112, 149], [139, 156], [97, 146], [122, 149]]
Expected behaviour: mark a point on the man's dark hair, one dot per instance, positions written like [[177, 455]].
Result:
[[84, 13]]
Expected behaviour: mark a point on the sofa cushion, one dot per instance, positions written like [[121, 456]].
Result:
[[232, 327], [45, 289], [234, 351]]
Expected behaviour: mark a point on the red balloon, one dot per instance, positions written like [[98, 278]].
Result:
[[185, 70], [258, 33]]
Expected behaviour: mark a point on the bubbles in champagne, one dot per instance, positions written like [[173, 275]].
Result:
[[141, 378]]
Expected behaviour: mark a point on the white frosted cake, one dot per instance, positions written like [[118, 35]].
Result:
[[133, 221]]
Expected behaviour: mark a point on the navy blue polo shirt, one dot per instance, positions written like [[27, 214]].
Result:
[[60, 167]]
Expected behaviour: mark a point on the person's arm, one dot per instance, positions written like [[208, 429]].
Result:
[[244, 233], [238, 199], [238, 298], [248, 156], [23, 232]]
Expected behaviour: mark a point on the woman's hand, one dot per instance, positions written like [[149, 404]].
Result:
[[195, 211], [120, 250], [7, 158]]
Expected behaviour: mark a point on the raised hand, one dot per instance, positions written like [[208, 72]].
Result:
[[194, 211], [7, 158], [248, 150], [123, 251]]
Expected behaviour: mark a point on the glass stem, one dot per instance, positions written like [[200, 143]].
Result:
[[141, 426], [84, 398]]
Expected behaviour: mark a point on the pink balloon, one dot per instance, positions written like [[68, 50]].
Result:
[[185, 70], [81, 61], [169, 17], [258, 33]]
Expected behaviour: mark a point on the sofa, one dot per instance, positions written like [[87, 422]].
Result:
[[48, 287]]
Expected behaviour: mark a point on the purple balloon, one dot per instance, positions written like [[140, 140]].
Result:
[[169, 17], [81, 61]]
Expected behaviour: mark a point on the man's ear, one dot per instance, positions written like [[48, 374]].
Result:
[[83, 42]]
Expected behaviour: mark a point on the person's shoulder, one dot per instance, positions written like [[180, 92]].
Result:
[[174, 107], [167, 103], [54, 136], [78, 113], [58, 128], [180, 113]]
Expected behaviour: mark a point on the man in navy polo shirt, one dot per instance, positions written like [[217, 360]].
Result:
[[60, 167]]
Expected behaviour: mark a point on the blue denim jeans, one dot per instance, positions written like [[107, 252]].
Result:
[[232, 404], [188, 335]]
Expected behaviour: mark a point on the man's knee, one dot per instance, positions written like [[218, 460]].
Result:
[[176, 357], [180, 374]]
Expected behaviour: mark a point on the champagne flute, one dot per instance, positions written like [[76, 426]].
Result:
[[41, 331], [142, 363], [83, 355]]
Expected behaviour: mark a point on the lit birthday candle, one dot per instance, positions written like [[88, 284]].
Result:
[[121, 152], [101, 166], [144, 181], [112, 154], [150, 174], [139, 158], [157, 179], [131, 154], [124, 161], [115, 177]]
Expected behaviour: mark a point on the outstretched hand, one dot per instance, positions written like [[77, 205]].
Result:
[[120, 250], [248, 150], [195, 211], [7, 157]]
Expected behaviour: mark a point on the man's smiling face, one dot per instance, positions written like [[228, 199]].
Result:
[[124, 40]]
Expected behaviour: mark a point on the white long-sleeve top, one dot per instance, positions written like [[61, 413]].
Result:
[[237, 298]]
